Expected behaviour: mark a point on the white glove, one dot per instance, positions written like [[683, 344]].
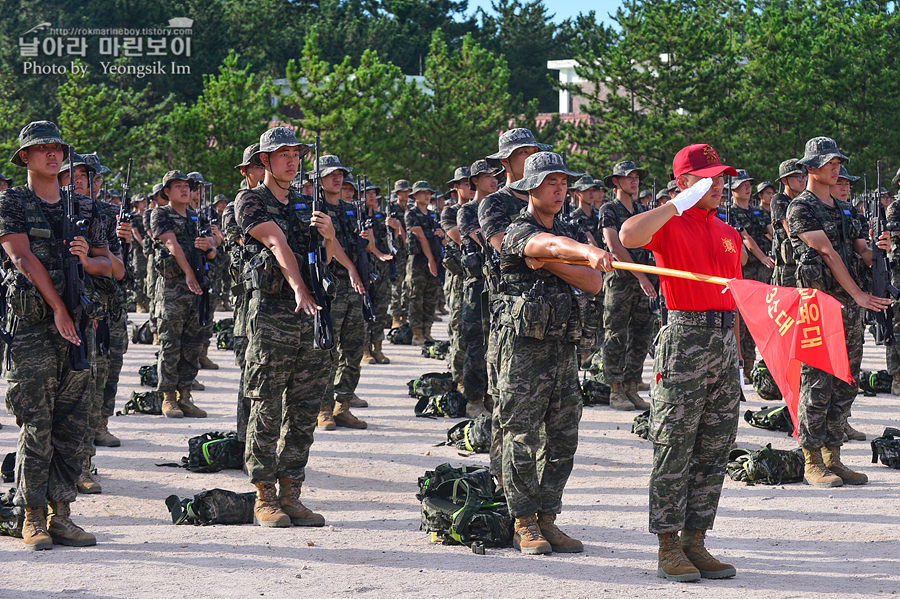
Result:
[[690, 196]]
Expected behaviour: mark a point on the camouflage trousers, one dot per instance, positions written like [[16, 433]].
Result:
[[241, 304], [118, 345], [785, 275], [349, 342], [399, 287], [423, 292], [180, 335], [693, 423], [472, 334], [152, 291], [824, 399], [755, 271], [95, 398], [382, 299], [628, 339], [139, 268], [50, 403], [892, 352], [285, 379], [492, 370], [539, 411], [456, 358]]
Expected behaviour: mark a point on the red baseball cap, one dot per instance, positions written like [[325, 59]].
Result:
[[701, 160]]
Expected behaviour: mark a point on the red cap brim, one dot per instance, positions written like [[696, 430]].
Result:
[[713, 170]]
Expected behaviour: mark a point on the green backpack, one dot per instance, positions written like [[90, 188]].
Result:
[[641, 425], [451, 404], [211, 452], [432, 383], [594, 392], [12, 516], [216, 506], [887, 448], [873, 383], [401, 335], [471, 435], [464, 506], [148, 402], [437, 350], [149, 377], [224, 330], [764, 384], [766, 466], [773, 419]]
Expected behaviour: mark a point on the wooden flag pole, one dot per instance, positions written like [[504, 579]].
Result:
[[655, 270]]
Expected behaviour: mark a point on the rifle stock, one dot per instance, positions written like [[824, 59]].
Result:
[[77, 303], [881, 276], [322, 285]]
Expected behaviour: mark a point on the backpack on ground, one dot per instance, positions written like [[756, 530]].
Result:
[[148, 402], [216, 506], [432, 383], [764, 384], [12, 516], [887, 448], [8, 469], [594, 392], [211, 452], [873, 383], [766, 466], [641, 425], [141, 334], [436, 350], [464, 506], [401, 335], [776, 418], [149, 376], [451, 404], [471, 435], [224, 330]]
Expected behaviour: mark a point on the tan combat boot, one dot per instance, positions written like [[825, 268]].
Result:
[[474, 409], [673, 563], [367, 354], [65, 532], [642, 386], [170, 407], [850, 432], [831, 456], [418, 338], [139, 308], [197, 386], [289, 499], [358, 402], [692, 543], [187, 407], [86, 483], [895, 385], [266, 511], [344, 417], [205, 362], [379, 356], [325, 419], [618, 400], [816, 473], [103, 437], [426, 332], [631, 392], [34, 530], [528, 538], [559, 541]]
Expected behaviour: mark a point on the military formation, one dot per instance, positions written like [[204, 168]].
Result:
[[317, 264]]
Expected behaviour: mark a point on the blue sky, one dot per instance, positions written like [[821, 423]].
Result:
[[565, 8]]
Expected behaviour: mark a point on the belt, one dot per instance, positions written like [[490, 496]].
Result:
[[712, 319]]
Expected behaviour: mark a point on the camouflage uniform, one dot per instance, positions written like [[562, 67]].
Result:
[[824, 399], [540, 402], [471, 324], [892, 214], [454, 288], [285, 377], [381, 296], [50, 401], [423, 286], [626, 304], [151, 249], [181, 337], [399, 307], [785, 274], [138, 261], [238, 256], [590, 223]]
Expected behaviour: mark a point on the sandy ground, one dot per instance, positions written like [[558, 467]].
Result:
[[787, 541]]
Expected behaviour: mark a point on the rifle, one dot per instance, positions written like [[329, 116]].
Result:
[[125, 215], [78, 305], [391, 238], [437, 251], [491, 264], [199, 264], [654, 203], [881, 274], [322, 286], [363, 267]]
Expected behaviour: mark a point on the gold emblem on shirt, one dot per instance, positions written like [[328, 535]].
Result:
[[729, 245]]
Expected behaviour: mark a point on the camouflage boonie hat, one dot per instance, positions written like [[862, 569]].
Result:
[[251, 156], [662, 193], [459, 174], [348, 180], [644, 194], [197, 178], [844, 174], [277, 137], [113, 193], [156, 189], [370, 186], [140, 197], [220, 197], [93, 159], [511, 141], [819, 150], [587, 182], [79, 161], [34, 134], [671, 186], [623, 169], [482, 166], [790, 167], [401, 185], [177, 175], [762, 187], [421, 186], [739, 178], [895, 182], [330, 163], [538, 166], [5, 178]]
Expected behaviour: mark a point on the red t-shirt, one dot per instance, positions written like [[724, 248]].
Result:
[[697, 241]]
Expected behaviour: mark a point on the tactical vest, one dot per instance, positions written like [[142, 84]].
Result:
[[186, 231], [639, 255], [841, 228], [343, 219]]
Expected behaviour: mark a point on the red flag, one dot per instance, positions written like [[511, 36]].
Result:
[[792, 326]]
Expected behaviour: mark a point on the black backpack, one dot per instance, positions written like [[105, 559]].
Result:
[[224, 330], [451, 405], [216, 506], [8, 469], [464, 506], [594, 392], [471, 435], [873, 383], [401, 335], [211, 452], [437, 350], [141, 334], [764, 384], [12, 516], [641, 425], [887, 448], [766, 466], [148, 402], [773, 419], [432, 383], [149, 376]]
